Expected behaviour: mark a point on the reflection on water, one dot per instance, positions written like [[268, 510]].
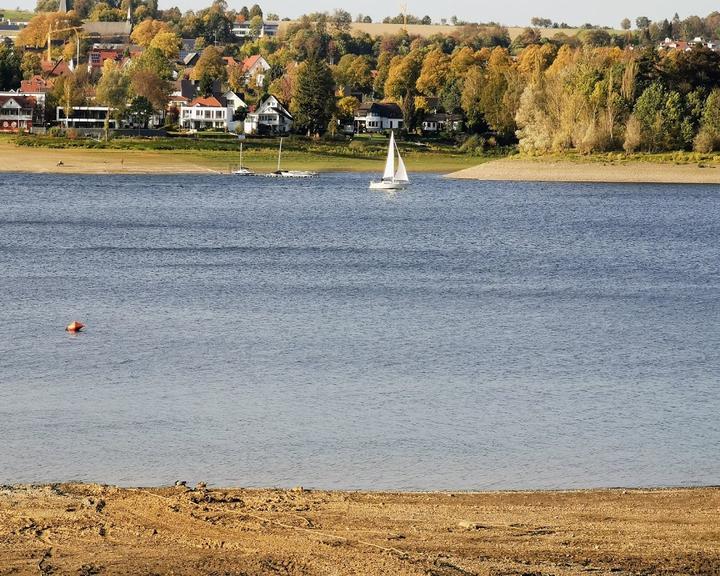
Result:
[[457, 335]]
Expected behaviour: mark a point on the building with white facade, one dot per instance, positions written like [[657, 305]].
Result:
[[270, 117]]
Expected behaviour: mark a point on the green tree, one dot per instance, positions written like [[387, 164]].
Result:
[[140, 110], [113, 91], [313, 101], [255, 10], [30, 65], [471, 98], [708, 138], [10, 72]]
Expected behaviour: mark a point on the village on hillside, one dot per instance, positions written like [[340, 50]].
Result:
[[88, 68]]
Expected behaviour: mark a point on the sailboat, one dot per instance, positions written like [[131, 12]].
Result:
[[392, 179], [289, 173], [241, 171]]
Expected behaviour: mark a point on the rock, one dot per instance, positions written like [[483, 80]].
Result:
[[201, 486], [179, 483], [467, 525]]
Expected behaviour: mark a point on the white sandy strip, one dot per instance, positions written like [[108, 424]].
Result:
[[537, 170]]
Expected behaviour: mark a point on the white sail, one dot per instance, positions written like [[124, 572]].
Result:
[[390, 162], [401, 174]]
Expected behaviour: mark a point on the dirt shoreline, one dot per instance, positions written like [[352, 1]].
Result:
[[540, 170], [92, 529]]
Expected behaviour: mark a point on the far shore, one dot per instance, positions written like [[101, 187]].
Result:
[[96, 529], [520, 169], [29, 159]]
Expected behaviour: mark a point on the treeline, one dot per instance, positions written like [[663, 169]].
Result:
[[580, 92]]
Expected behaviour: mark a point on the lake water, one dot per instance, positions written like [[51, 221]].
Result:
[[458, 335]]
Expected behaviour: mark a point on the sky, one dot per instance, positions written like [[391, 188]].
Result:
[[514, 13]]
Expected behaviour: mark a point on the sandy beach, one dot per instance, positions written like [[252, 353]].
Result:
[[88, 161], [91, 529], [543, 170]]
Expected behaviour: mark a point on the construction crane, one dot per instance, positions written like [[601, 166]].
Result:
[[403, 12], [57, 30]]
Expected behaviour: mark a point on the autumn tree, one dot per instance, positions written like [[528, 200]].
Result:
[[113, 91], [36, 32], [346, 108], [471, 98], [313, 101], [625, 24], [434, 73], [382, 69], [500, 93], [144, 33], [31, 64], [168, 43], [210, 67], [401, 83], [354, 73]]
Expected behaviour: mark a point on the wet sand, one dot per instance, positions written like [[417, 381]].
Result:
[[539, 170], [93, 529]]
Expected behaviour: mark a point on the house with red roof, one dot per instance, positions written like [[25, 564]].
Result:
[[206, 112], [254, 68], [37, 84], [55, 69]]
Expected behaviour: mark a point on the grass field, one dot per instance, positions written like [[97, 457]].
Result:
[[16, 15], [379, 29]]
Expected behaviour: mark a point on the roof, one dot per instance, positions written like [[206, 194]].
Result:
[[382, 109], [250, 61], [230, 61], [190, 57], [35, 84], [108, 29], [58, 68], [207, 102], [23, 101]]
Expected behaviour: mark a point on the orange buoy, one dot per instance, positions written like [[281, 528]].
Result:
[[74, 326]]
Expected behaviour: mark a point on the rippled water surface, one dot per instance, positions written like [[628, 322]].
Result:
[[459, 335]]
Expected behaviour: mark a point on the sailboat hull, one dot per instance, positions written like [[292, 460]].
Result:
[[388, 185]]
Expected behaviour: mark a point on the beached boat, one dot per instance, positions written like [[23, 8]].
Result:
[[289, 173], [392, 179], [242, 171]]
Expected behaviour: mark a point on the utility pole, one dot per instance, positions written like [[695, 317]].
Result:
[[403, 12]]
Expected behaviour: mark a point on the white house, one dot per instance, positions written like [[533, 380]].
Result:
[[16, 113], [378, 117], [207, 112], [244, 29], [441, 122], [86, 119], [234, 100], [255, 67], [270, 117]]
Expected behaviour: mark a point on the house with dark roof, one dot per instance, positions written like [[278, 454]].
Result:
[[270, 117], [442, 122], [17, 113], [378, 117]]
